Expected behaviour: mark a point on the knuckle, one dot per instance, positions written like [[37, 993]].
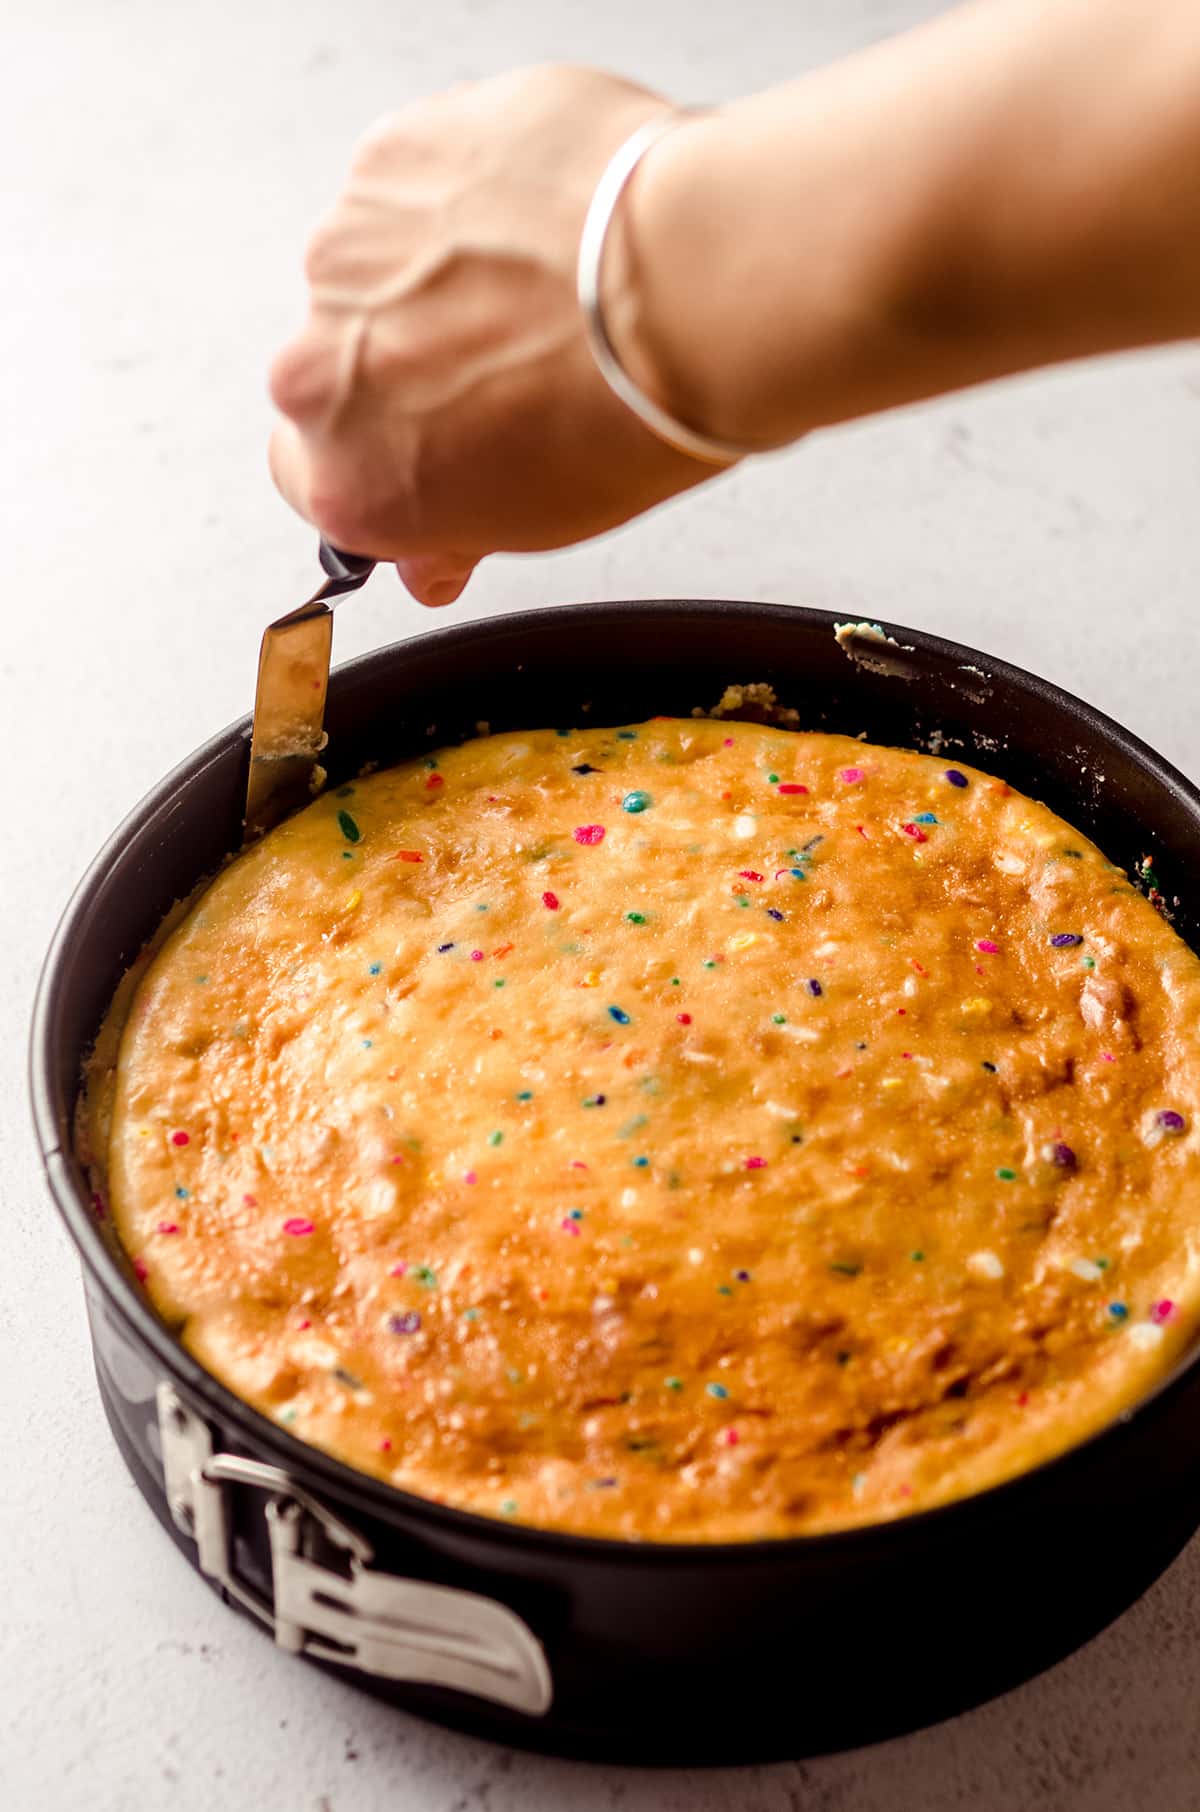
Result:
[[552, 81], [550, 74], [285, 381], [299, 380], [532, 75], [529, 84], [404, 134], [323, 251], [377, 140]]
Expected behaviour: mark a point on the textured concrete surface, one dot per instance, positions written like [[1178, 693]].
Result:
[[161, 164]]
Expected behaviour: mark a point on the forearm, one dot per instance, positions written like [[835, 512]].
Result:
[[1016, 183]]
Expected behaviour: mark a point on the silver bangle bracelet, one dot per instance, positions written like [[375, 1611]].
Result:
[[597, 221]]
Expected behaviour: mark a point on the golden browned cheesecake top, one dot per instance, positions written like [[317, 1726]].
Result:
[[687, 1131]]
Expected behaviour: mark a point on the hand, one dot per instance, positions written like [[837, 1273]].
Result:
[[441, 399]]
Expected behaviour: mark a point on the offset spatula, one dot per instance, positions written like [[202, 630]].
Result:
[[288, 733]]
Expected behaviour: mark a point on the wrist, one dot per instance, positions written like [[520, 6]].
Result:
[[801, 258], [662, 308], [668, 312], [752, 279], [593, 292], [958, 203]]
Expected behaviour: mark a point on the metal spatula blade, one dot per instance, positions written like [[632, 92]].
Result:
[[288, 732]]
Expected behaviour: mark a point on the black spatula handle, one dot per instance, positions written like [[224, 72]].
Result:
[[348, 567]]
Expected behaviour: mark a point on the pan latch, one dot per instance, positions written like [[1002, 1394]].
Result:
[[344, 1611]]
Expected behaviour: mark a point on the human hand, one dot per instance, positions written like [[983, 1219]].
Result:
[[441, 400]]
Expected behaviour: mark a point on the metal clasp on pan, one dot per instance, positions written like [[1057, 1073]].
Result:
[[392, 1628]]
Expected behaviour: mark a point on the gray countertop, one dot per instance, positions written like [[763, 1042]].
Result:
[[162, 164]]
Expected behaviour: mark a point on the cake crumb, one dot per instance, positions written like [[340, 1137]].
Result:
[[755, 702]]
